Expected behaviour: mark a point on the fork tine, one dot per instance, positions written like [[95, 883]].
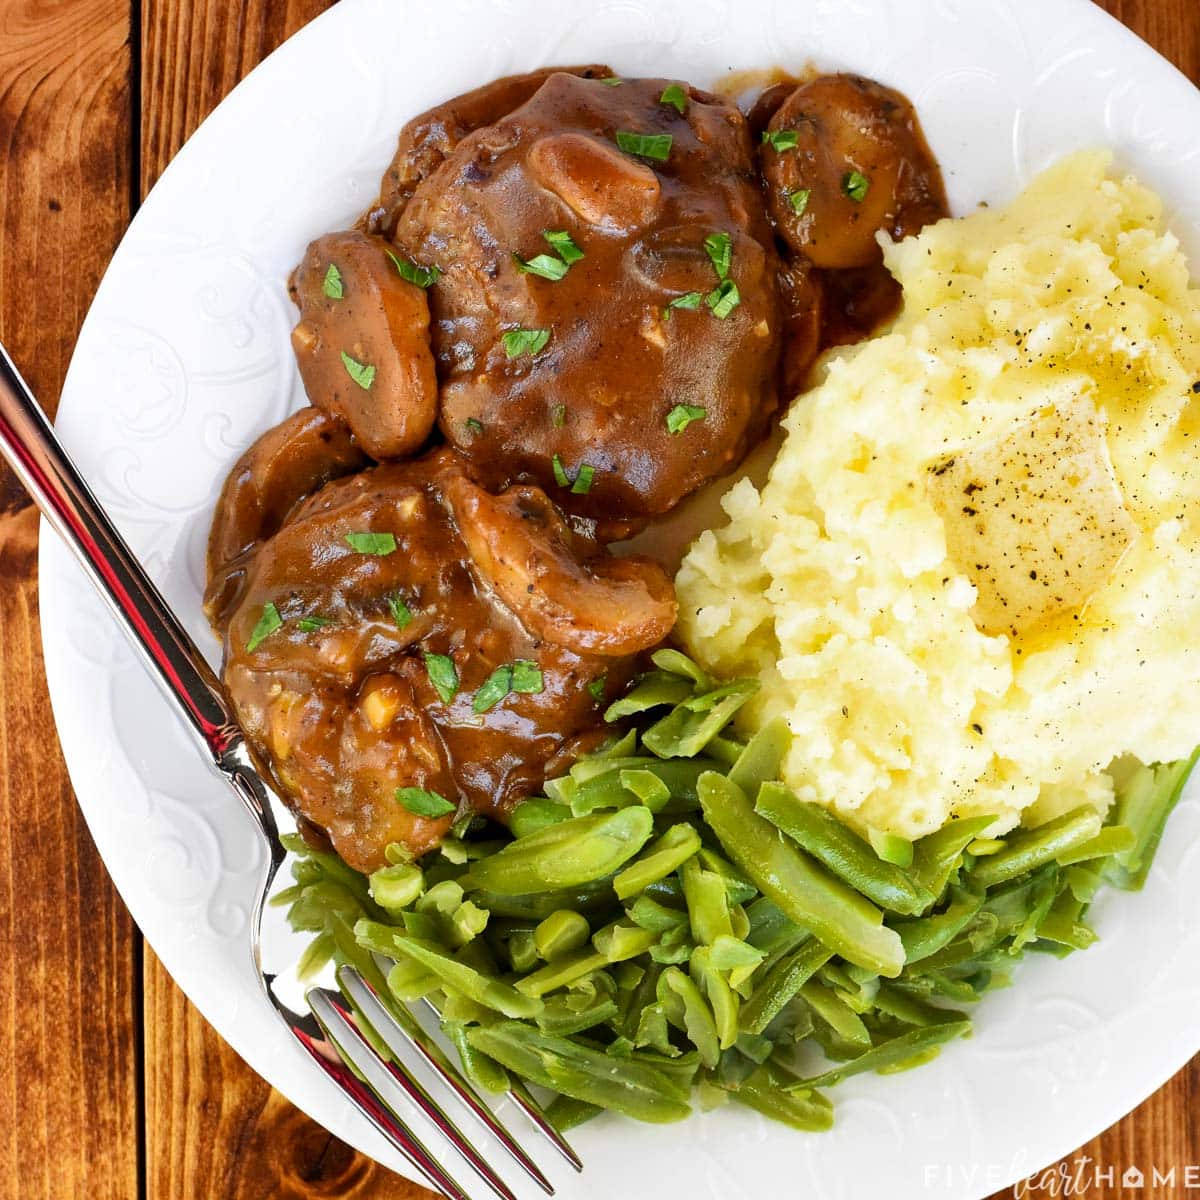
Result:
[[524, 1100], [390, 1020], [419, 1096], [534, 1111], [367, 1098]]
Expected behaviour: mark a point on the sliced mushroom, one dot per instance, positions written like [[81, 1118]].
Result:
[[859, 164], [521, 547], [600, 184], [362, 343], [288, 463]]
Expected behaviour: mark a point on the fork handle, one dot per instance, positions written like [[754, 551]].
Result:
[[31, 448]]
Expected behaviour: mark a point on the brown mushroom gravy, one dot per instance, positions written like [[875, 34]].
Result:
[[576, 302]]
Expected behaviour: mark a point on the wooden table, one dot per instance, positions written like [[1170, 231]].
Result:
[[113, 1087]]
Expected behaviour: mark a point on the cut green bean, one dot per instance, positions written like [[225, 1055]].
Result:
[[765, 1093], [568, 854], [686, 1009], [708, 903], [1112, 839], [566, 1113], [924, 936], [840, 849], [684, 732], [662, 858], [633, 1085], [560, 933], [1143, 805], [886, 1054], [761, 760], [484, 1072], [654, 690], [781, 984], [535, 814], [844, 920], [477, 986], [938, 855], [1028, 849], [836, 1013]]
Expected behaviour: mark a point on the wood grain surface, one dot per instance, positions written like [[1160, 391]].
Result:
[[113, 1086]]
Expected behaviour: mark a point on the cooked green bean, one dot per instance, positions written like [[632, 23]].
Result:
[[686, 1009], [894, 1050], [484, 1072], [536, 813], [647, 787], [483, 989], [566, 1113], [676, 663], [660, 859], [653, 690], [722, 1000], [620, 941], [1112, 839], [707, 901], [841, 850], [1143, 806], [762, 758], [558, 974], [766, 1092], [836, 1013], [937, 856], [781, 984], [924, 936], [569, 854], [635, 1085], [560, 933], [685, 731], [658, 918], [845, 921], [1028, 849]]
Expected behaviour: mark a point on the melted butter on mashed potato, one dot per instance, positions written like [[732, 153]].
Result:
[[866, 599]]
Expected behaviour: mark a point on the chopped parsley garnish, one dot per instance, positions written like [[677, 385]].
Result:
[[799, 200], [596, 688], [682, 415], [443, 674], [545, 265], [780, 139], [719, 247], [581, 484], [400, 611], [648, 145], [583, 481], [474, 425], [372, 543], [855, 185], [527, 677], [266, 625], [421, 803], [723, 299], [423, 277], [313, 623], [362, 373], [612, 81], [563, 244], [493, 689], [558, 416], [676, 97], [524, 341], [690, 300], [523, 676], [332, 285]]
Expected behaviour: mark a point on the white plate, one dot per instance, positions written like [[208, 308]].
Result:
[[184, 359]]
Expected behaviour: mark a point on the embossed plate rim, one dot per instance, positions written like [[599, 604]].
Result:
[[184, 354]]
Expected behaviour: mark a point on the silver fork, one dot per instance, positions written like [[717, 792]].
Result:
[[339, 1029]]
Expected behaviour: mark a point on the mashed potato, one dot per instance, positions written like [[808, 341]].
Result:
[[847, 584]]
